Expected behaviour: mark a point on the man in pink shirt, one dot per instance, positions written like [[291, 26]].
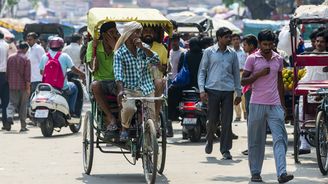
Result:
[[263, 70]]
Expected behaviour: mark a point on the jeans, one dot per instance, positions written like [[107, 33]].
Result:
[[4, 96], [274, 116], [71, 93]]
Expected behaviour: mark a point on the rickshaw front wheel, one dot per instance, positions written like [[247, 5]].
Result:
[[321, 141], [88, 142], [149, 152]]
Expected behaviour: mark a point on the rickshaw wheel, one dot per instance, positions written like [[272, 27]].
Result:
[[297, 131], [162, 144], [88, 142], [321, 140], [149, 152]]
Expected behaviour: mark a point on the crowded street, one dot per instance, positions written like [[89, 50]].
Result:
[[163, 91], [31, 158]]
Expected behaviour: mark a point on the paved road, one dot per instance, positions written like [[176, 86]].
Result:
[[30, 158]]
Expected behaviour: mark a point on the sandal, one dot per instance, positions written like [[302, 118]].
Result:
[[124, 136]]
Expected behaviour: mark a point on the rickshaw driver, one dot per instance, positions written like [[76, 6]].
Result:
[[313, 73], [132, 63], [149, 37], [102, 65]]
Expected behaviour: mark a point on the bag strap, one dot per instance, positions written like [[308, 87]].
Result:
[[185, 60], [57, 56]]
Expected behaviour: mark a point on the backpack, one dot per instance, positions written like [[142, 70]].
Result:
[[53, 73]]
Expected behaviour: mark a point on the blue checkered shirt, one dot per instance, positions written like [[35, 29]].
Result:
[[133, 71]]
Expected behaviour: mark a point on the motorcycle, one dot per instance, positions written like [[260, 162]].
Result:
[[50, 110], [193, 114]]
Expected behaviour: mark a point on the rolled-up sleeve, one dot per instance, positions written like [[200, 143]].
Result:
[[202, 71], [89, 52], [153, 60], [236, 74], [118, 67]]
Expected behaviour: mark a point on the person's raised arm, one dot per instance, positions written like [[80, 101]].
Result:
[[248, 77]]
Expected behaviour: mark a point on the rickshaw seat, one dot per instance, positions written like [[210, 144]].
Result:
[[303, 88]]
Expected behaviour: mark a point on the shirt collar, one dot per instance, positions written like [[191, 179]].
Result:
[[75, 44], [216, 48], [258, 54]]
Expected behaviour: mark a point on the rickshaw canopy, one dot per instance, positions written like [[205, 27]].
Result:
[[311, 13], [146, 16]]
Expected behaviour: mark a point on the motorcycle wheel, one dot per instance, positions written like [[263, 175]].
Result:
[[47, 127], [76, 127], [196, 133]]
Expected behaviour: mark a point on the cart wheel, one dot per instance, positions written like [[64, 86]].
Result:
[[88, 141], [162, 144], [297, 131], [321, 140], [149, 152]]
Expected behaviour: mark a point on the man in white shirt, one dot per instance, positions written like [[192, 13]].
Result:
[[174, 93], [175, 54], [236, 40], [4, 87], [73, 50], [34, 54]]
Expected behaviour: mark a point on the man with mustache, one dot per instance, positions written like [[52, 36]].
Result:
[[132, 62], [149, 37]]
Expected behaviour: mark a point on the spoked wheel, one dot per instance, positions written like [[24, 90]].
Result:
[[76, 127], [162, 145], [321, 140], [88, 141], [297, 131], [149, 152]]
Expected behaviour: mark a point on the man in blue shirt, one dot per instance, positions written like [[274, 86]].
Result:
[[56, 44], [218, 79]]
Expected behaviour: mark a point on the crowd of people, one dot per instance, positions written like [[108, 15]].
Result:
[[241, 73]]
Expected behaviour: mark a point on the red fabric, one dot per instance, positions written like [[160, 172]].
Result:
[[18, 71], [248, 87], [53, 73]]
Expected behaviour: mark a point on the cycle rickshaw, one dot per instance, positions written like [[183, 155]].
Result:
[[313, 122], [143, 142]]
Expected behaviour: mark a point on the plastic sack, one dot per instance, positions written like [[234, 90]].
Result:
[[284, 40]]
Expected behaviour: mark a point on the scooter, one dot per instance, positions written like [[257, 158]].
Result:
[[193, 114], [50, 110]]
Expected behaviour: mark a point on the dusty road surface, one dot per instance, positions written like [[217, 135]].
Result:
[[29, 158]]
